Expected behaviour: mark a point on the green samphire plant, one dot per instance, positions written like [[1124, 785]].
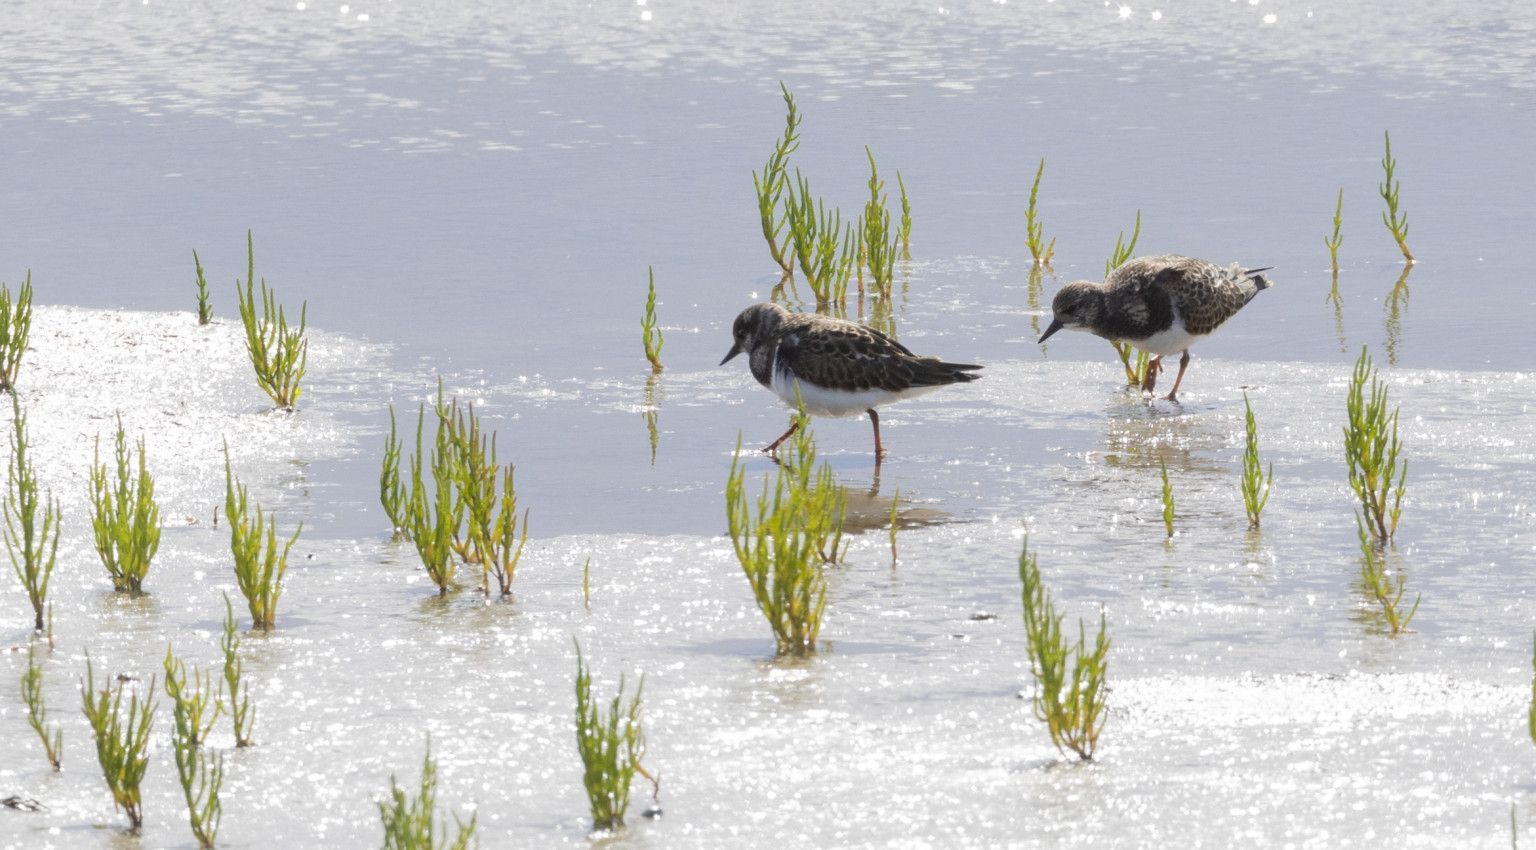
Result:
[[1393, 217], [650, 330], [771, 184], [122, 740], [468, 513], [204, 306], [241, 713], [15, 328], [1167, 498], [31, 521], [410, 821], [1256, 482], [1371, 449], [37, 712], [124, 515], [826, 248], [195, 707], [1034, 229], [1336, 239], [784, 539], [279, 353], [259, 562], [1069, 678], [881, 241], [611, 744]]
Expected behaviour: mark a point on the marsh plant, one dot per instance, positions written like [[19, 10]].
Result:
[[435, 516], [1034, 229], [31, 522], [393, 495], [194, 698], [1123, 249], [770, 187], [1035, 288], [611, 744], [37, 712], [1256, 482], [1337, 238], [1167, 498], [906, 219], [1531, 714], [1069, 678], [881, 241], [122, 739], [1133, 360], [410, 821], [1395, 219], [785, 538], [827, 249], [279, 353], [15, 327], [195, 707], [1372, 448], [1333, 242], [467, 513], [124, 515], [650, 331], [260, 563], [1383, 584], [241, 713], [494, 537], [204, 306]]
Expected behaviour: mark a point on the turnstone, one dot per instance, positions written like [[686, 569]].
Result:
[[1162, 305], [834, 367]]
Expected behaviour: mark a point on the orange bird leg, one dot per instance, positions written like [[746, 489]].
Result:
[[774, 446], [1149, 381], [1173, 394]]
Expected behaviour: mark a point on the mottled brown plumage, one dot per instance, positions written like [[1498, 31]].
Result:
[[1161, 305], [832, 366]]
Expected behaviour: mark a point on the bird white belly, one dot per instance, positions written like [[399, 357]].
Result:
[[1171, 341], [823, 401]]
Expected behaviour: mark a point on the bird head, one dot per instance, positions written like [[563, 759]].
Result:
[[1078, 306], [754, 325]]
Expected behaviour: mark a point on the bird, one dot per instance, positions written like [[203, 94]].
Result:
[[834, 367], [1161, 305]]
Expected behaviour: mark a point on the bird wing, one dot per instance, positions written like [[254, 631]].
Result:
[[1204, 293], [1209, 295], [843, 355], [1138, 304], [847, 356]]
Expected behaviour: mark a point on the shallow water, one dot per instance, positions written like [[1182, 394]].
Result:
[[476, 191]]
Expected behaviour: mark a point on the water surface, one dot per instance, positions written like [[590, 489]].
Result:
[[476, 191]]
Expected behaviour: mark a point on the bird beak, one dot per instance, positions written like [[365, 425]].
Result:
[[735, 350], [1056, 325]]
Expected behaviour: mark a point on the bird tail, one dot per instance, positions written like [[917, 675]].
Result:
[[1260, 282], [938, 372]]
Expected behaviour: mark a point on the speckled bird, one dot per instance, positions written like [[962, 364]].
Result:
[[1161, 305], [834, 367]]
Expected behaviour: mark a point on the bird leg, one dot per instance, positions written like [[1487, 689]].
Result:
[[1149, 381], [874, 419], [1173, 395], [774, 446]]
